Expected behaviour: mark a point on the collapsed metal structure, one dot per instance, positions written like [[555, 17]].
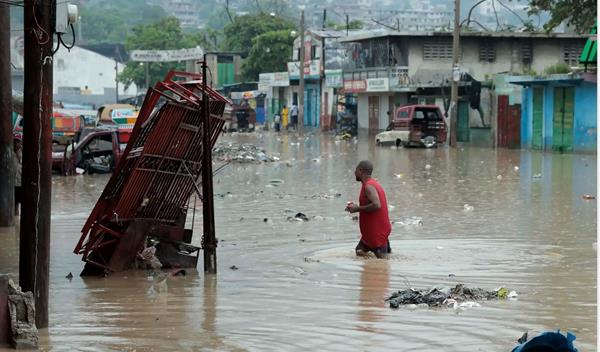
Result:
[[149, 191]]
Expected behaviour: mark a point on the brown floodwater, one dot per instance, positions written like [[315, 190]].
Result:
[[299, 286]]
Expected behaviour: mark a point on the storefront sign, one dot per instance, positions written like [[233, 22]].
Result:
[[378, 85], [334, 78], [355, 86], [274, 79], [166, 55], [312, 69]]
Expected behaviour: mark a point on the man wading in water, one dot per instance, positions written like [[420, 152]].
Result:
[[374, 220]]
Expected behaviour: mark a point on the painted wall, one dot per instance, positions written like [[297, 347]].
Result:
[[82, 67], [586, 121], [546, 52], [584, 117]]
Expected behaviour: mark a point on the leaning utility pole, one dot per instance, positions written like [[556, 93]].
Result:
[[209, 241], [301, 93], [37, 155], [7, 173], [455, 74]]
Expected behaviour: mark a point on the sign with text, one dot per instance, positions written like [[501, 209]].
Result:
[[334, 78], [378, 84], [355, 86], [274, 79], [312, 69], [166, 55]]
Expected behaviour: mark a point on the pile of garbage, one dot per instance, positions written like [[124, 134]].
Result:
[[241, 153], [457, 297]]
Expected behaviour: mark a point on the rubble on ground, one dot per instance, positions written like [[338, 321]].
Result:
[[456, 297], [241, 153], [23, 333]]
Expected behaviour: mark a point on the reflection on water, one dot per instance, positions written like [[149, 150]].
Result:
[[374, 284], [529, 230]]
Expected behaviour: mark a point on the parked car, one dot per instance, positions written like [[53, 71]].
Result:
[[65, 125], [415, 125], [98, 150]]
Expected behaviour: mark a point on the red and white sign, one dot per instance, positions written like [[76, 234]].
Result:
[[355, 86]]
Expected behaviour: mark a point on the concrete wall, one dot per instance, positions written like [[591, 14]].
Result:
[[363, 109], [82, 67], [546, 52]]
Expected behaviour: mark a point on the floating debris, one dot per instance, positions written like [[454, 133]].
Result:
[[324, 196], [468, 207], [459, 297], [588, 197], [427, 167], [241, 153], [412, 221], [233, 267], [499, 177]]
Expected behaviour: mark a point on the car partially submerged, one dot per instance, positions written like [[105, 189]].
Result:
[[97, 150], [415, 125]]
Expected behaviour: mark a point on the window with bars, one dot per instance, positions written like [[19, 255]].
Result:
[[572, 53], [437, 49], [526, 53], [487, 51]]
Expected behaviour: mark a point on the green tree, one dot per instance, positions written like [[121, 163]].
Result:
[[270, 53], [240, 33], [112, 21], [579, 13], [163, 35]]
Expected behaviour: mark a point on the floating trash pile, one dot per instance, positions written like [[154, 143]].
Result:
[[241, 153], [458, 297]]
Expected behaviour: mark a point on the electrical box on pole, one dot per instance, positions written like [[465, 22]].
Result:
[[66, 15]]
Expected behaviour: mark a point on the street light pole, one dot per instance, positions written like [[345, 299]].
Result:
[[301, 93], [455, 75]]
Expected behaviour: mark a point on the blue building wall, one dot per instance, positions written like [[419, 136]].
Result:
[[526, 123], [584, 115], [548, 115], [585, 125], [312, 104]]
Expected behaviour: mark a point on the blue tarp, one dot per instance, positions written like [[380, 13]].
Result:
[[548, 342]]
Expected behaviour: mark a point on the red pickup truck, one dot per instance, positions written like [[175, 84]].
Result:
[[97, 151], [415, 125]]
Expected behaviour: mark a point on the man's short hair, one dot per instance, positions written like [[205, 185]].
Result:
[[366, 166]]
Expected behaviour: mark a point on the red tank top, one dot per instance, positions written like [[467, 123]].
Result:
[[375, 227]]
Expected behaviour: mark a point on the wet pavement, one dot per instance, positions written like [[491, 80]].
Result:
[[490, 218]]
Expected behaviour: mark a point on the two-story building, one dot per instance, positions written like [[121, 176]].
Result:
[[387, 69], [318, 95]]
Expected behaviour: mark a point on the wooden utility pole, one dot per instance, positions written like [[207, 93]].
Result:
[[7, 172], [301, 93], [455, 74], [37, 155], [209, 240]]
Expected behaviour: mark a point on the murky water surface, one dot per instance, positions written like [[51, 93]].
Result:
[[299, 287]]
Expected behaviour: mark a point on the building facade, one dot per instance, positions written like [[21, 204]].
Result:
[[390, 69], [559, 112]]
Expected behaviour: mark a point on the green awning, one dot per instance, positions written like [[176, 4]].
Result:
[[588, 56]]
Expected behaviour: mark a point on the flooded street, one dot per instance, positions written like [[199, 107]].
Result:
[[299, 286]]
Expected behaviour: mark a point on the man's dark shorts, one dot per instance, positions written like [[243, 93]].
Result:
[[386, 249]]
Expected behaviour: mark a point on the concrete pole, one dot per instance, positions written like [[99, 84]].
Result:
[[7, 173], [209, 241], [34, 248], [454, 90], [301, 93]]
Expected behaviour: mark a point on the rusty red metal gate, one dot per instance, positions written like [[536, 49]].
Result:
[[160, 169], [509, 123]]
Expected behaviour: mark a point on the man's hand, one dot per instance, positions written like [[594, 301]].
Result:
[[351, 207]]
